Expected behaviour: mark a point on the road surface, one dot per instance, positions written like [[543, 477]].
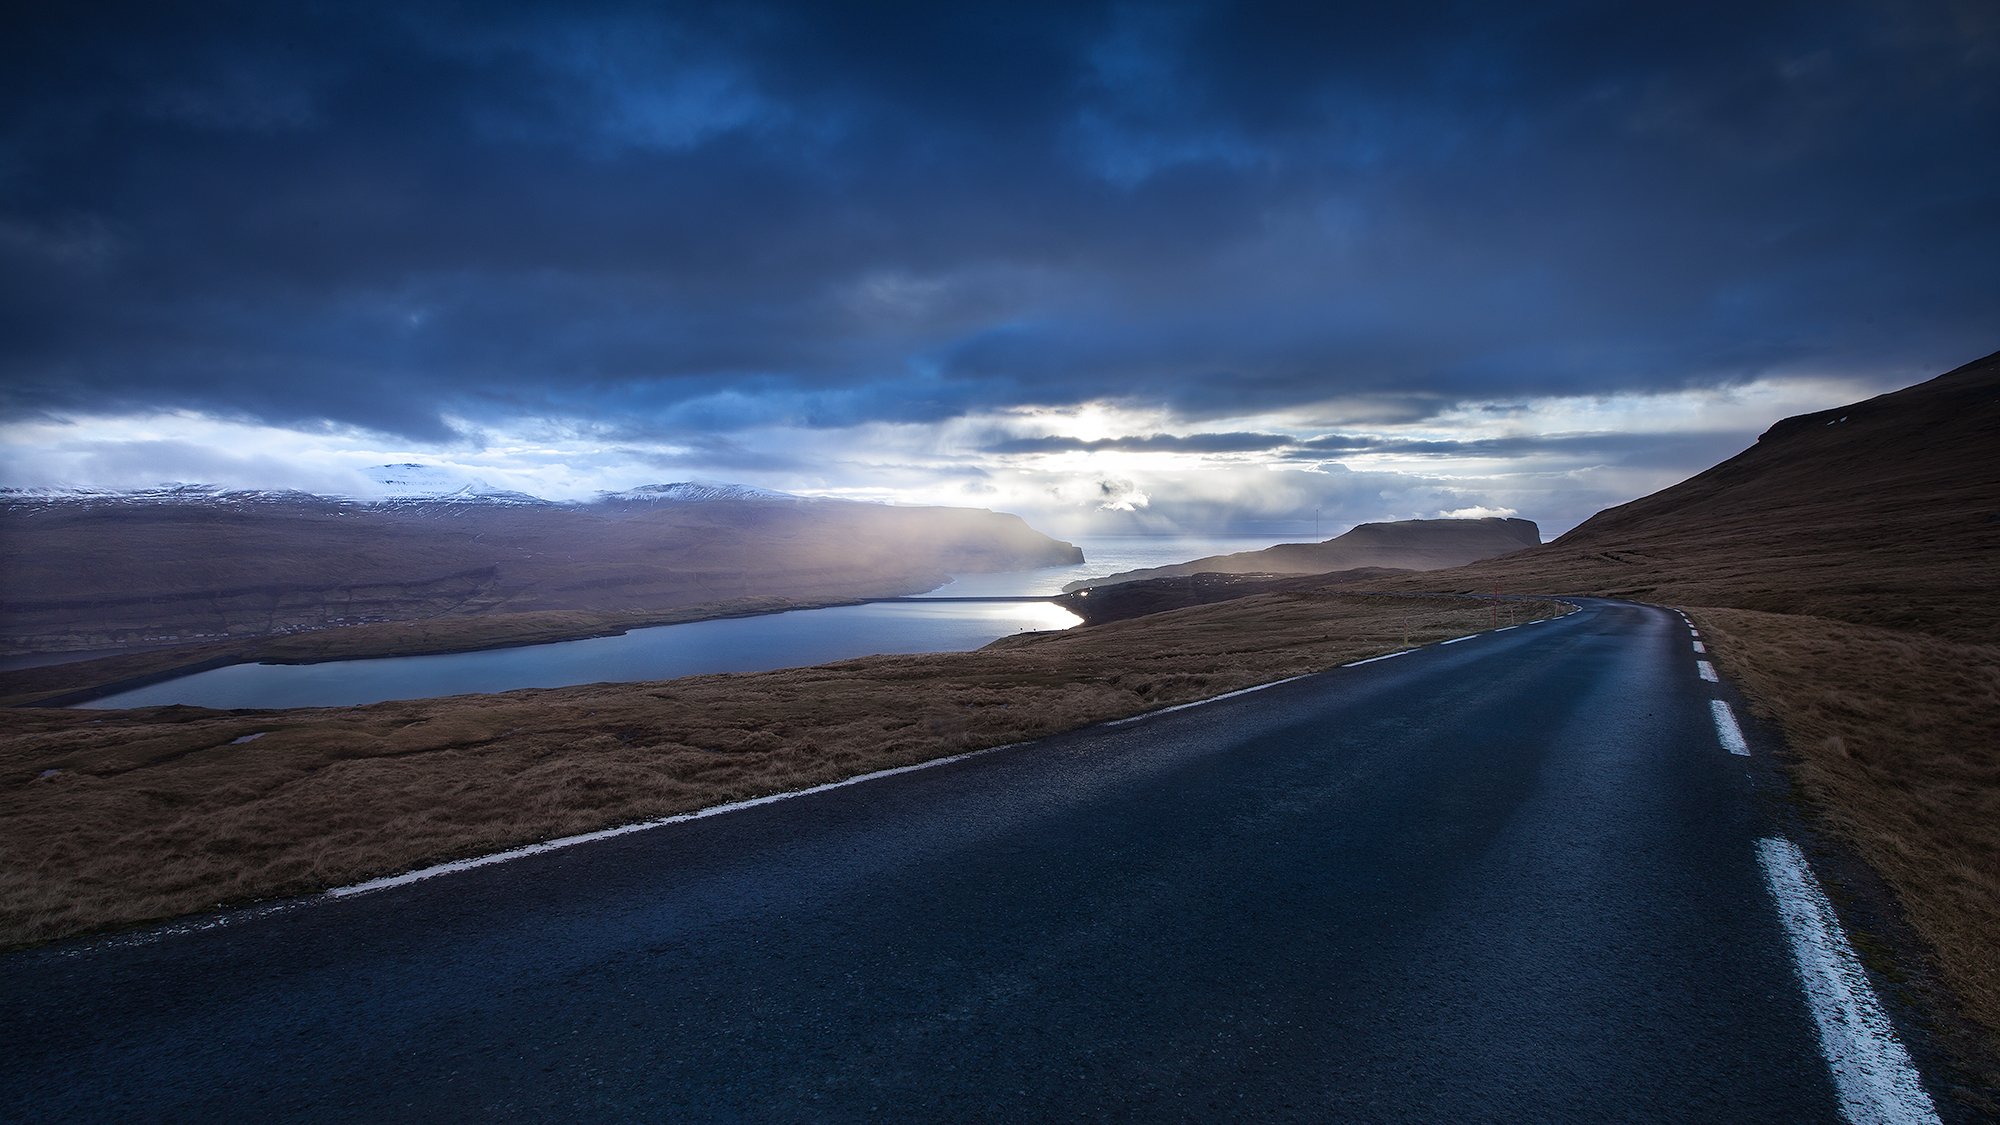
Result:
[[1514, 877]]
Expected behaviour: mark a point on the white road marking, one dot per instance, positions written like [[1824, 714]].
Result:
[[1694, 632], [1504, 628], [1726, 728], [1872, 1072], [175, 929], [643, 826], [1699, 647], [1455, 640], [1202, 702], [1707, 671], [1384, 656]]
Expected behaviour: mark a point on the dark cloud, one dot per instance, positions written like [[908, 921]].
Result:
[[1591, 444], [714, 216], [1622, 448], [1153, 443]]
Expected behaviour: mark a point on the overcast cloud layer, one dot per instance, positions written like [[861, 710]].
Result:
[[1216, 263]]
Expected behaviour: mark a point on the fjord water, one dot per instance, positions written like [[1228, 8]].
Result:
[[734, 644], [730, 644], [1102, 555]]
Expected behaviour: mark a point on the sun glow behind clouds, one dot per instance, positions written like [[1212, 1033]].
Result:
[[1090, 469]]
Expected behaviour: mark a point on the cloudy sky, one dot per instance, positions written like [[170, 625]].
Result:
[[1112, 266]]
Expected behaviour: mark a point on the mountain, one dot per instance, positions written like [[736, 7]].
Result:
[[1402, 545], [1884, 512], [415, 484], [103, 570], [1845, 574], [694, 492]]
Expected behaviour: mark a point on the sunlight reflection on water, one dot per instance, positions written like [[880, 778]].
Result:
[[740, 644]]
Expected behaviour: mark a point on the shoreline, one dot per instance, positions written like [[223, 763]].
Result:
[[185, 778], [86, 695], [461, 635]]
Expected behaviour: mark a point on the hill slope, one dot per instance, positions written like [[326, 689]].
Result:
[[100, 571], [1402, 545], [1845, 571], [1885, 512]]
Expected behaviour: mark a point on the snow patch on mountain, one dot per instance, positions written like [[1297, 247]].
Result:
[[693, 491], [405, 486], [173, 493], [414, 483]]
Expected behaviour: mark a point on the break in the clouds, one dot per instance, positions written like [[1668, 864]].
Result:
[[1145, 258]]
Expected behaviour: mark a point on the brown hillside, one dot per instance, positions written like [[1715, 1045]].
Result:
[[82, 575], [1401, 545], [1846, 573], [1885, 512]]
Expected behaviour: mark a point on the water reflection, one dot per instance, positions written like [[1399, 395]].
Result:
[[741, 644]]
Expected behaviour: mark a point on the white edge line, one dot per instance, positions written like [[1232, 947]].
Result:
[[1202, 702], [1872, 1073], [1707, 671], [1504, 628], [1726, 728], [175, 929], [1455, 640], [1699, 647], [522, 852], [525, 850]]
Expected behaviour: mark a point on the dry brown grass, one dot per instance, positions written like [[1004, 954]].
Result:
[[109, 818], [1893, 736], [1850, 561], [85, 575]]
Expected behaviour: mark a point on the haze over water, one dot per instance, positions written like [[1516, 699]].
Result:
[[1102, 555], [738, 644]]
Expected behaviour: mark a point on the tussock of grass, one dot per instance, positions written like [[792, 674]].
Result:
[[109, 818], [1893, 737]]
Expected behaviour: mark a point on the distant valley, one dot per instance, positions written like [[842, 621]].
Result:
[[1841, 571], [97, 570], [1401, 545]]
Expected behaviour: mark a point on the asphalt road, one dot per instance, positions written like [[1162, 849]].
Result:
[[1509, 878]]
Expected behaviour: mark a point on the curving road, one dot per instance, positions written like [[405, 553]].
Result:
[[1513, 877]]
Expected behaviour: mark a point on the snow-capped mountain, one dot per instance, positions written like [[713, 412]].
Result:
[[693, 491], [175, 493], [429, 484], [405, 486]]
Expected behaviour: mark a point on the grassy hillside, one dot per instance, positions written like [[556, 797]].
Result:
[[88, 575], [1401, 545], [1846, 569], [111, 817], [1885, 512]]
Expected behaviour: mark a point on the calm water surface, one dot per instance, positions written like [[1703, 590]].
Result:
[[737, 644]]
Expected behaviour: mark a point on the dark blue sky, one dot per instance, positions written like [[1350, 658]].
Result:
[[1066, 255]]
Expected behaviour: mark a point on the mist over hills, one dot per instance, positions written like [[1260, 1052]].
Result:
[[1845, 572], [1882, 512], [100, 569], [1401, 545]]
